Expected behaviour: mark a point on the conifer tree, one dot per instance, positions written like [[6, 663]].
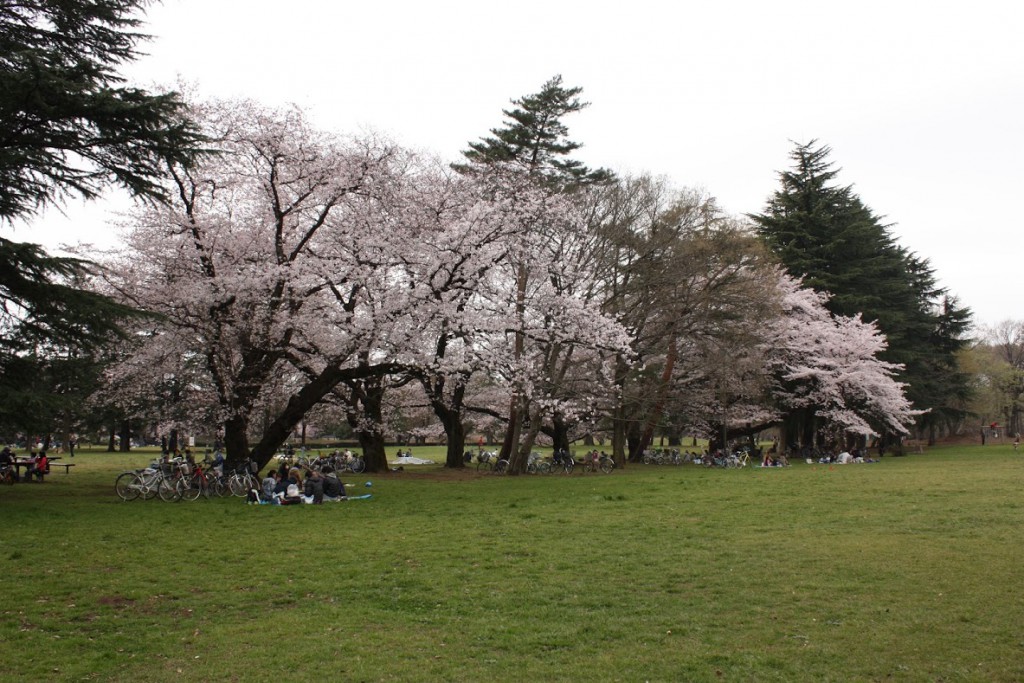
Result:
[[824, 233], [70, 127], [534, 141]]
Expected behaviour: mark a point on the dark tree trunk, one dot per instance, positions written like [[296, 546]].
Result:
[[369, 395], [450, 415], [633, 439], [520, 458], [647, 436], [560, 433], [512, 431], [126, 436], [299, 404], [236, 441], [455, 433]]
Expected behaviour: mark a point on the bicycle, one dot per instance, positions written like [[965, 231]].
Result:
[[138, 483], [485, 460], [168, 486], [594, 463], [737, 459], [537, 465], [243, 480], [563, 462], [191, 486]]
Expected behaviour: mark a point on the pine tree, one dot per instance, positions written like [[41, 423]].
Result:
[[535, 142], [536, 139], [823, 232]]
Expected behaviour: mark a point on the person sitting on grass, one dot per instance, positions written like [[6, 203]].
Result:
[[334, 490], [269, 486], [313, 490]]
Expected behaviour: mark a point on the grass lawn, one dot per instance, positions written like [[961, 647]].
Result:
[[906, 570]]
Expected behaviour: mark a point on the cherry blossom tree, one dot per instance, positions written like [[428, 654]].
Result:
[[828, 368], [266, 259]]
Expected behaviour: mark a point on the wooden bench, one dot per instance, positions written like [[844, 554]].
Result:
[[66, 465]]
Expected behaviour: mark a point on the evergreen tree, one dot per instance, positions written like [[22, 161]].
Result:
[[536, 139], [535, 142], [824, 233], [69, 128]]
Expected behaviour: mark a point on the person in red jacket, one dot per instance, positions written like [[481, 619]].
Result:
[[39, 469]]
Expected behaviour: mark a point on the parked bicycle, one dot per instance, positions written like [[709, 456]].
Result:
[[485, 460], [594, 462]]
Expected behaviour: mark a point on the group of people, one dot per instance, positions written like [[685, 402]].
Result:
[[286, 486], [850, 457], [36, 469]]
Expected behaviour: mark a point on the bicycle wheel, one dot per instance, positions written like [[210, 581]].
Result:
[[218, 487], [568, 466], [501, 467], [128, 486], [358, 465], [238, 485], [189, 488], [544, 467], [148, 482], [8, 477], [167, 490], [607, 465], [484, 465]]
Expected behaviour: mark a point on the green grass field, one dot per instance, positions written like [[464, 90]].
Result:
[[906, 570]]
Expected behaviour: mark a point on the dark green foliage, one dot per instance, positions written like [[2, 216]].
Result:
[[69, 126], [535, 139], [826, 234], [51, 326], [43, 303]]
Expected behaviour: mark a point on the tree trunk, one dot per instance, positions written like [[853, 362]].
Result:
[[512, 432], [126, 436], [455, 433], [371, 440], [450, 415], [300, 403], [111, 440], [236, 441], [633, 442], [647, 437], [560, 433], [522, 456]]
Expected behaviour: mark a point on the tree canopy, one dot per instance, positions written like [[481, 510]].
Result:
[[70, 128], [823, 233], [71, 125]]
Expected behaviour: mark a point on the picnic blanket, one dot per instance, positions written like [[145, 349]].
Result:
[[409, 460]]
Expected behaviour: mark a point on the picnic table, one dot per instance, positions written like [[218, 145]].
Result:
[[29, 463]]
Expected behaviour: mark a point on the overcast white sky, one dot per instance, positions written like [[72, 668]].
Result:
[[922, 103]]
